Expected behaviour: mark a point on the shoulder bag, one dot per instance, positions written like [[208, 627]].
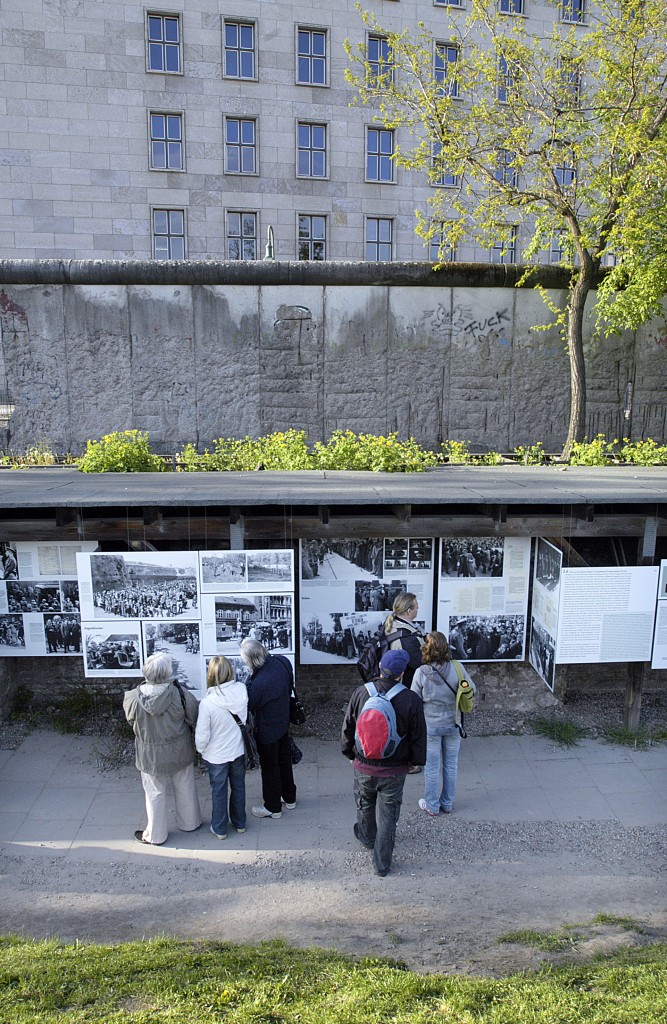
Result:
[[250, 747]]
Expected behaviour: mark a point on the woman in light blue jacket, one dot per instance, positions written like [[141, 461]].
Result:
[[436, 682]]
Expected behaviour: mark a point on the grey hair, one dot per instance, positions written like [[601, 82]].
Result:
[[159, 668], [253, 653]]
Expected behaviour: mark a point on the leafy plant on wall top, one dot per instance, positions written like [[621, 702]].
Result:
[[563, 134]]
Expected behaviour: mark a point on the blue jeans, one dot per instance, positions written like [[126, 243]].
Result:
[[378, 808], [440, 770], [219, 775]]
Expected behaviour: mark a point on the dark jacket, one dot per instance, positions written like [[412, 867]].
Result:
[[410, 724], [409, 641], [268, 698]]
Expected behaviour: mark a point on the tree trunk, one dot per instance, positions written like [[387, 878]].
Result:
[[575, 350]]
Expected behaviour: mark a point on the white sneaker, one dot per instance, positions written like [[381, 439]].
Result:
[[290, 807], [261, 812], [423, 807], [217, 834]]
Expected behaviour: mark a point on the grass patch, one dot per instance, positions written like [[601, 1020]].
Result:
[[626, 923], [566, 733], [166, 980], [548, 942], [640, 740]]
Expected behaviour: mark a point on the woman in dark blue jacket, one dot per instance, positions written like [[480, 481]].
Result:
[[269, 690]]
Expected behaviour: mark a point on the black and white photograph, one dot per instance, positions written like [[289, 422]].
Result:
[[33, 597], [12, 634], [472, 557], [271, 567], [662, 592], [62, 633], [241, 670], [487, 637], [548, 560], [326, 561], [337, 637], [219, 568], [143, 585], [395, 553], [9, 566], [268, 618], [182, 641], [69, 596], [111, 649], [41, 561], [542, 654], [376, 595], [420, 554]]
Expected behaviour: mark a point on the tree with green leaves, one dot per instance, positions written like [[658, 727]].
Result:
[[562, 134]]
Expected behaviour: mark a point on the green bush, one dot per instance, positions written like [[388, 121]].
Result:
[[456, 452], [597, 452], [347, 450], [643, 453], [531, 455], [123, 451]]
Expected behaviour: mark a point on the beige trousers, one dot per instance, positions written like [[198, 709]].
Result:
[[188, 813]]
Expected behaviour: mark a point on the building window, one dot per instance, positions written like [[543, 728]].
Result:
[[380, 65], [444, 69], [169, 234], [504, 250], [164, 43], [312, 240], [556, 250], [379, 154], [311, 150], [440, 176], [448, 3], [565, 173], [240, 145], [241, 235], [439, 250], [511, 7], [505, 80], [239, 57], [379, 238], [573, 11], [311, 57], [166, 142], [504, 171], [570, 77]]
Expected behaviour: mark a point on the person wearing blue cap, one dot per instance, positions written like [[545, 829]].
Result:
[[379, 780]]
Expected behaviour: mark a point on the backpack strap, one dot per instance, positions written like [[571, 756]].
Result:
[[394, 692], [372, 689], [458, 714]]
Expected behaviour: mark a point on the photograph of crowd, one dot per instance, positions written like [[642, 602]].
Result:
[[9, 566], [62, 633], [472, 557], [487, 637], [264, 617], [113, 653], [180, 640], [33, 597], [270, 567], [395, 553], [144, 586], [222, 567], [69, 596], [12, 634], [420, 554], [374, 596], [547, 564], [327, 560], [337, 635], [542, 653]]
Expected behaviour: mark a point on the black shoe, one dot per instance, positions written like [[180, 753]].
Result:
[[369, 846], [381, 872], [139, 836]]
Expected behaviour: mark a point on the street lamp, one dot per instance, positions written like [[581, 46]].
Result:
[[268, 255]]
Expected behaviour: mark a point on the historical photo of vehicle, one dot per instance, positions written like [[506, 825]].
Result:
[[110, 650]]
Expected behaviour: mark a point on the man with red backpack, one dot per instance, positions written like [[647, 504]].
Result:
[[383, 733]]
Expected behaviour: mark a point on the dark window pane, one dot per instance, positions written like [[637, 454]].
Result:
[[157, 126], [171, 30], [155, 57], [234, 223], [175, 161], [319, 169], [247, 34], [248, 224], [234, 249], [173, 127], [249, 249], [247, 65], [232, 131], [176, 222], [231, 35], [160, 222], [173, 61], [178, 248]]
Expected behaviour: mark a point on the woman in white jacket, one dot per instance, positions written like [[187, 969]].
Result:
[[219, 741]]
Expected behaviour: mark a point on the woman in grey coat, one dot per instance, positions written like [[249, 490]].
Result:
[[436, 682], [163, 717]]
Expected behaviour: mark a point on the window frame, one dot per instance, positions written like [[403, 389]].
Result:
[[299, 149], [227, 145], [505, 173], [581, 19], [180, 115], [164, 16], [380, 156], [169, 210], [239, 22], [452, 253], [241, 236], [311, 239], [439, 182], [310, 56], [373, 81], [377, 241], [510, 248], [505, 81], [459, 4], [443, 47], [521, 4]]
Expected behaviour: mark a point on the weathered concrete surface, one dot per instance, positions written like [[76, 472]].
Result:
[[195, 361]]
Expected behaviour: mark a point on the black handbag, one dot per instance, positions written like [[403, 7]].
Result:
[[295, 752], [251, 755], [297, 712]]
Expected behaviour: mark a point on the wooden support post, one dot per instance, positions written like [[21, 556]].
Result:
[[236, 529], [636, 669]]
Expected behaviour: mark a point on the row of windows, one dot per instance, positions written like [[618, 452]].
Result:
[[311, 242], [164, 44]]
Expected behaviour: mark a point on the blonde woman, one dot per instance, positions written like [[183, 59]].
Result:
[[219, 740], [401, 620], [436, 682]]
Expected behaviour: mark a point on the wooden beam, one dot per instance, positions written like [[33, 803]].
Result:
[[402, 512]]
